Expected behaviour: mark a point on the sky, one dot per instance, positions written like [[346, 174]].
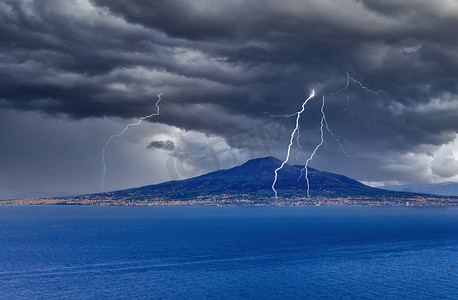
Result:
[[73, 73]]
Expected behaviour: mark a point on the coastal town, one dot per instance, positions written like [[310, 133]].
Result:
[[240, 200]]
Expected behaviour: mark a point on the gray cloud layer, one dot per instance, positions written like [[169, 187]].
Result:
[[221, 64]]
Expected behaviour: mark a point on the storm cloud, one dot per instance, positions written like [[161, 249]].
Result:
[[222, 64], [166, 145]]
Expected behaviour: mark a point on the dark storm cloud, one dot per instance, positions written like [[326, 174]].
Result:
[[221, 64], [166, 145]]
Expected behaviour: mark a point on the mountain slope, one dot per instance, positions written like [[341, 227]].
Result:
[[444, 189], [253, 177]]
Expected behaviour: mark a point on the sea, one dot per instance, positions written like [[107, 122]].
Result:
[[201, 252]]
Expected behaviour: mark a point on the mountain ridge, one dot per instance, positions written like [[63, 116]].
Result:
[[258, 174], [251, 184], [442, 189]]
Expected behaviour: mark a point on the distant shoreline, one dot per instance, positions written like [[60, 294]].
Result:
[[415, 201]]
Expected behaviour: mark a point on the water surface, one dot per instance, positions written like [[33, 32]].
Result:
[[228, 252]]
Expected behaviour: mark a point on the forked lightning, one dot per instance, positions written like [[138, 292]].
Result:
[[324, 124], [121, 133], [291, 140]]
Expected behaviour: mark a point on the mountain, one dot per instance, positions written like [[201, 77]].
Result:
[[444, 189], [251, 184], [253, 177]]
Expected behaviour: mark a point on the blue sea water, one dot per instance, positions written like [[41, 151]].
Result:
[[92, 252]]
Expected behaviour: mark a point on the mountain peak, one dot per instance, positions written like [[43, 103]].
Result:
[[264, 161], [258, 174]]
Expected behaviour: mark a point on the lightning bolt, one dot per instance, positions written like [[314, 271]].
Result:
[[291, 140], [121, 133], [323, 122], [336, 137], [347, 92], [298, 143], [281, 116]]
